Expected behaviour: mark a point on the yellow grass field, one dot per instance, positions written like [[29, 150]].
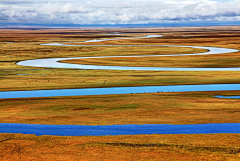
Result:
[[155, 108], [130, 147]]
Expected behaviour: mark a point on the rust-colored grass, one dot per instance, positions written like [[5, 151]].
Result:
[[156, 108], [173, 147], [26, 46], [207, 61], [216, 38], [30, 79]]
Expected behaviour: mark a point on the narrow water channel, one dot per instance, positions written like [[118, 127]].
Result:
[[54, 62], [118, 90], [230, 97], [80, 130]]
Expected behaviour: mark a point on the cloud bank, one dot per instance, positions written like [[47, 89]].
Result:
[[117, 11]]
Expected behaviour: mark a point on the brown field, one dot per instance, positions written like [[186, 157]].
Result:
[[215, 38], [26, 46], [154, 108], [130, 147], [207, 61]]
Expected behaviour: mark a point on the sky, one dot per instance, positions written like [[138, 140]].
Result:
[[109, 12]]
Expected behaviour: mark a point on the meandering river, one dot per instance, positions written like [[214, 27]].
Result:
[[79, 130]]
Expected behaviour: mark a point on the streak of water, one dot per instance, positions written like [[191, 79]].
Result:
[[81, 130], [230, 97], [118, 90]]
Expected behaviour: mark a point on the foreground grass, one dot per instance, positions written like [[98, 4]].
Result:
[[135, 147], [155, 108]]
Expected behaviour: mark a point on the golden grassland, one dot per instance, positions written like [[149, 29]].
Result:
[[206, 61], [211, 38], [26, 46], [155, 108], [130, 147], [28, 79]]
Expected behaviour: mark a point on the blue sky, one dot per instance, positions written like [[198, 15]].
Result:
[[90, 12]]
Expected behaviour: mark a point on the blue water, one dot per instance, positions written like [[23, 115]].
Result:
[[54, 62], [81, 130], [118, 90], [230, 97]]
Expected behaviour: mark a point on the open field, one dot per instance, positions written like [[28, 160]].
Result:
[[206, 61], [136, 147], [26, 46], [29, 79], [154, 108]]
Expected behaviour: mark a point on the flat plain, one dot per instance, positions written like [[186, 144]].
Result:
[[146, 108]]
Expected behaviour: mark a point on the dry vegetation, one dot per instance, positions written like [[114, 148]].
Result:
[[207, 61], [26, 46], [156, 108], [209, 37], [137, 147]]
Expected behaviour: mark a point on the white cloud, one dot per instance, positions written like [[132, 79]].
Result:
[[117, 11]]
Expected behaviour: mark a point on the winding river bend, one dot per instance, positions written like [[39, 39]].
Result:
[[54, 62], [79, 130]]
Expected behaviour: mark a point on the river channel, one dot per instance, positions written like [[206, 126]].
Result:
[[80, 130]]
